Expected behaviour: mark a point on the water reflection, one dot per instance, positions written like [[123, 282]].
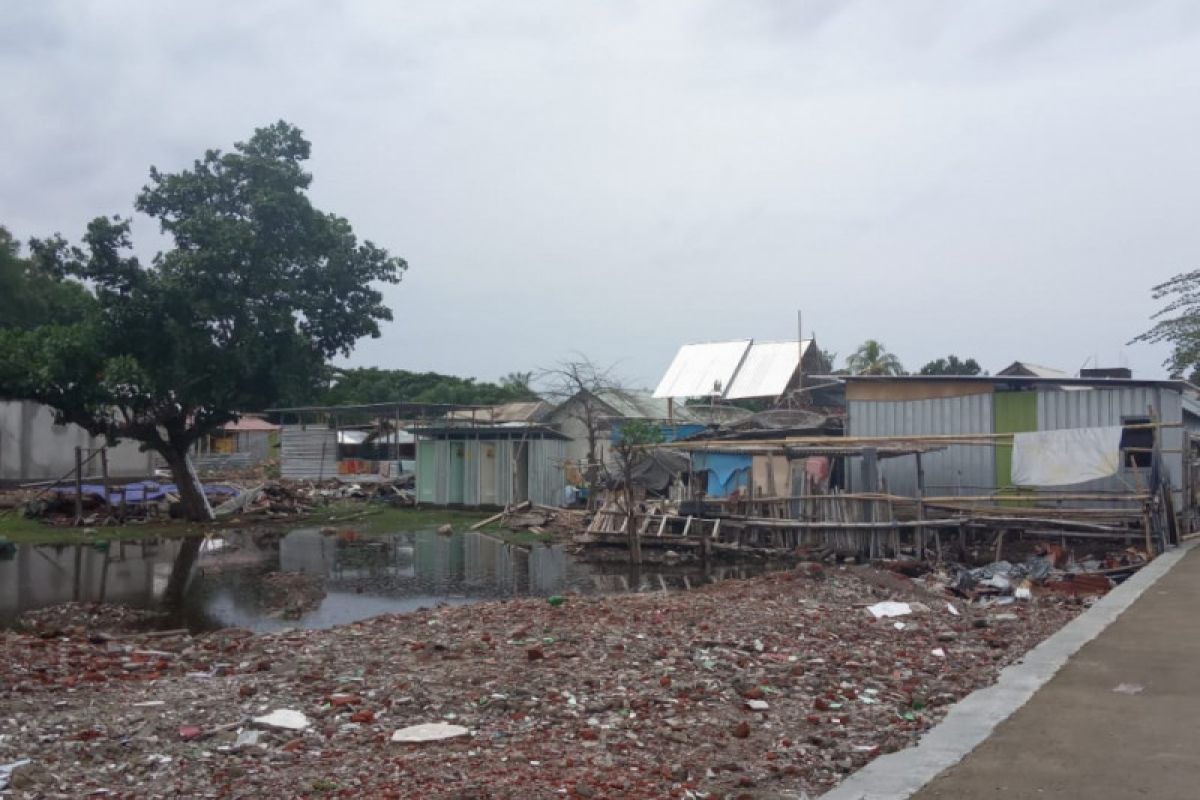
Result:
[[362, 576]]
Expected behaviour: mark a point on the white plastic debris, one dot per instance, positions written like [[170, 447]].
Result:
[[950, 607], [899, 626], [246, 738], [757, 705], [939, 652], [6, 771], [1023, 593], [428, 732], [890, 609], [284, 719], [1128, 688]]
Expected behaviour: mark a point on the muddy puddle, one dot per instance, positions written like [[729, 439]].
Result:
[[345, 579]]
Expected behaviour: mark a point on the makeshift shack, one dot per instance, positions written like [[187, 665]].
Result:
[[490, 466]]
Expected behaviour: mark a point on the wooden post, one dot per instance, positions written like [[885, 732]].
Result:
[[108, 507], [78, 566], [78, 487], [870, 481], [921, 533]]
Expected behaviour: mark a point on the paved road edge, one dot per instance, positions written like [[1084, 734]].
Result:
[[898, 775]]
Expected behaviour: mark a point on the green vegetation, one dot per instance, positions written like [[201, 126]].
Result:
[[348, 515], [1178, 324], [873, 358], [373, 385], [258, 291], [951, 365]]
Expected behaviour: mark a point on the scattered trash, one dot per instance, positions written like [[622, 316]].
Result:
[[950, 607], [1129, 688], [647, 690], [283, 719], [247, 737], [890, 609], [7, 770], [428, 732]]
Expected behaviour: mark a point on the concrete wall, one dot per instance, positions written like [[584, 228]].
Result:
[[33, 448]]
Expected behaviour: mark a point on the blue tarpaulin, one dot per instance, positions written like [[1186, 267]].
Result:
[[727, 472], [670, 433]]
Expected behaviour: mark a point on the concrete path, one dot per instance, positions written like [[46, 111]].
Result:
[[1078, 738]]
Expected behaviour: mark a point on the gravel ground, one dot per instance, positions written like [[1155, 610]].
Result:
[[769, 687]]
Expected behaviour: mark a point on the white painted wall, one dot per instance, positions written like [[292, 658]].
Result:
[[34, 448]]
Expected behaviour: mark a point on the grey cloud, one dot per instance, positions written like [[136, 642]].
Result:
[[999, 180]]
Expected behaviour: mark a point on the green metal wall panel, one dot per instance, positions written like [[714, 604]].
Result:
[[458, 463], [1015, 412], [426, 471]]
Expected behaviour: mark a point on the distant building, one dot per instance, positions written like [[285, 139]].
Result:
[[490, 465], [924, 405], [742, 369], [249, 441], [610, 407]]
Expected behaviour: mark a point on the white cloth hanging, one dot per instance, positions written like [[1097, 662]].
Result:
[[1060, 458]]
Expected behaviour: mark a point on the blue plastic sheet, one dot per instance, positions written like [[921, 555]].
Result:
[[727, 472], [143, 491]]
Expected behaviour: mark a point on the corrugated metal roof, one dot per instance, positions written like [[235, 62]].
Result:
[[249, 424], [1035, 370], [703, 369], [767, 369]]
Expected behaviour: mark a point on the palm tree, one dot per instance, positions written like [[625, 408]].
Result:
[[872, 358]]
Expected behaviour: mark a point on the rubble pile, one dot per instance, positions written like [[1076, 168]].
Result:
[[148, 500], [88, 618], [1051, 569], [752, 688]]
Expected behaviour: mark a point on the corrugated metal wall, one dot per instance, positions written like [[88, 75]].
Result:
[[546, 478], [307, 453], [1090, 408], [955, 470], [487, 471]]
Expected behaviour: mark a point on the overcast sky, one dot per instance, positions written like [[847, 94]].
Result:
[[1002, 180]]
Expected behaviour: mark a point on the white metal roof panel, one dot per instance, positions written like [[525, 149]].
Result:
[[766, 370], [701, 369]]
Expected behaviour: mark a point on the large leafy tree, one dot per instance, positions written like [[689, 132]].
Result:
[[29, 297], [873, 358], [1178, 323], [951, 365], [373, 385], [257, 292]]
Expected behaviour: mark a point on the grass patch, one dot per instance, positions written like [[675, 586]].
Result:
[[377, 518], [16, 528], [362, 517]]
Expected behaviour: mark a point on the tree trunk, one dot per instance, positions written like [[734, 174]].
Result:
[[181, 570], [631, 528], [191, 492]]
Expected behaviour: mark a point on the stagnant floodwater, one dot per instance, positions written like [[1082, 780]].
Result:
[[373, 574]]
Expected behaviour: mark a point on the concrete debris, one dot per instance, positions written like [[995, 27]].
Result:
[[428, 732], [890, 609], [284, 719], [7, 770], [782, 683]]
